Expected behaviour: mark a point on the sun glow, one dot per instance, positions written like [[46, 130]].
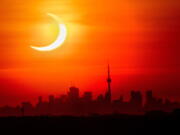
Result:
[[59, 40]]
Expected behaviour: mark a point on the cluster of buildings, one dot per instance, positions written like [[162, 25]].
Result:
[[73, 104]]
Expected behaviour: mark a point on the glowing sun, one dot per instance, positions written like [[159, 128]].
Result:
[[60, 38]]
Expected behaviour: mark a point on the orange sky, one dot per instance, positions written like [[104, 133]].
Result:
[[140, 39]]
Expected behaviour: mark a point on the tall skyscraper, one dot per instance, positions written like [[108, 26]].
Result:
[[136, 99], [73, 94], [108, 93]]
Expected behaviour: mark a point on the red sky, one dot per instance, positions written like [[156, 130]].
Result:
[[139, 38]]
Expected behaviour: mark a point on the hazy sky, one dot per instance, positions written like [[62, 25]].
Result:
[[139, 38]]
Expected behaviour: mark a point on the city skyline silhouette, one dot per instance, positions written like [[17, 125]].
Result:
[[75, 105]]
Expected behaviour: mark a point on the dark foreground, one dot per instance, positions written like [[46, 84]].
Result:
[[153, 123]]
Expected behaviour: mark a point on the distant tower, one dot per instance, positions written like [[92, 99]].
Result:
[[108, 93]]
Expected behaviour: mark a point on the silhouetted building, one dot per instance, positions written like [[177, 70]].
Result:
[[136, 98], [100, 98], [63, 98], [149, 98], [40, 100], [27, 109], [108, 93], [87, 97], [136, 102], [51, 99], [151, 102], [73, 94]]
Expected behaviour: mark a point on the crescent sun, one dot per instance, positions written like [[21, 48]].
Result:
[[59, 40]]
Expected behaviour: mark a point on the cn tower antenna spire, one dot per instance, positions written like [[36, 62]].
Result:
[[108, 93], [108, 71]]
